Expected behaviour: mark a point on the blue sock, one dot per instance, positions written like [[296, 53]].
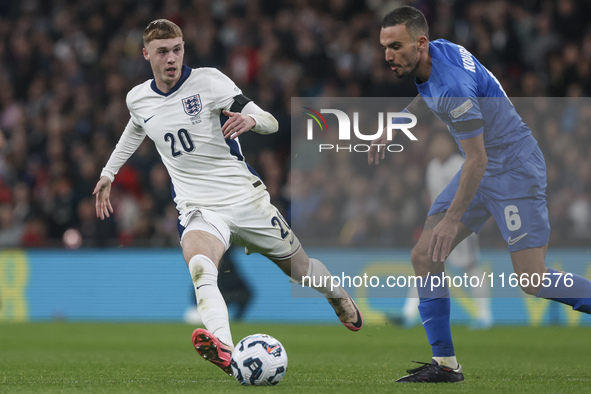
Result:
[[578, 295], [434, 307]]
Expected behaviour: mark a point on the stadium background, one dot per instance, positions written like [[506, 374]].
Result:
[[66, 66]]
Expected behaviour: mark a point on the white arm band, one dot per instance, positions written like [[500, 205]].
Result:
[[265, 122], [130, 140]]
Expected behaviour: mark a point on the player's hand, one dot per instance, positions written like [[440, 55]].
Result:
[[442, 238], [236, 124], [377, 149], [102, 190]]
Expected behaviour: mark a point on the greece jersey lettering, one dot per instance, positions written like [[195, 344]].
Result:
[[469, 100], [205, 168]]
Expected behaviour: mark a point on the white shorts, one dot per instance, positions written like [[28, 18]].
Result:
[[254, 224]]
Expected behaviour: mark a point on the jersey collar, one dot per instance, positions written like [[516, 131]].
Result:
[[184, 75]]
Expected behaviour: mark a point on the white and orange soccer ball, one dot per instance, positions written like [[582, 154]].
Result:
[[259, 360]]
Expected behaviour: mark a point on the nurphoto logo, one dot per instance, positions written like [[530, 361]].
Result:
[[402, 121]]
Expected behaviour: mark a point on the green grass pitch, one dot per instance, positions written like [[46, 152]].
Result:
[[159, 358]]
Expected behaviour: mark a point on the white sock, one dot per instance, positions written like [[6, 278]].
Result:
[[450, 362], [320, 280], [210, 303]]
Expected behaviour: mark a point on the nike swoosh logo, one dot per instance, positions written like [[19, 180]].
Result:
[[359, 319], [207, 284], [426, 321], [146, 120], [514, 240], [270, 350]]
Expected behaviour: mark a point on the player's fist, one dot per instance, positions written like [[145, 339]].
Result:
[[236, 124]]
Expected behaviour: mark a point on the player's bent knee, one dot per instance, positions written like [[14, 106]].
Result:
[[528, 273], [419, 258]]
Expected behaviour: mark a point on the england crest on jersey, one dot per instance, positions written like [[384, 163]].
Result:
[[192, 105]]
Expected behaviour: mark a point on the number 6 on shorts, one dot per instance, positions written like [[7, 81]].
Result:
[[512, 218]]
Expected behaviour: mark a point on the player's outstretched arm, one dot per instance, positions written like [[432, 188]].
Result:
[[102, 190], [128, 143]]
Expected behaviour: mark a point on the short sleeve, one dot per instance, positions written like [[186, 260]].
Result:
[[462, 108]]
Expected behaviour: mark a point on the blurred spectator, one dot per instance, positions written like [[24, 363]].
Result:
[[11, 230]]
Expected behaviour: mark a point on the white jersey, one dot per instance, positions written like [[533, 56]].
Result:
[[206, 169]]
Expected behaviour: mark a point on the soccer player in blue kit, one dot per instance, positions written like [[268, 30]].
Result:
[[504, 175]]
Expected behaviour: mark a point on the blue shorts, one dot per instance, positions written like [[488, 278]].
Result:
[[516, 199]]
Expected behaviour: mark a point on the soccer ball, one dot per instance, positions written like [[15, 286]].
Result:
[[259, 360]]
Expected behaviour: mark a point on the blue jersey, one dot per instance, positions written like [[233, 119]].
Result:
[[470, 101]]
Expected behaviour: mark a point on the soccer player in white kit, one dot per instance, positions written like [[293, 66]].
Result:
[[443, 166], [219, 198]]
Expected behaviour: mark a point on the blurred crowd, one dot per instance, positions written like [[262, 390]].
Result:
[[66, 67]]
